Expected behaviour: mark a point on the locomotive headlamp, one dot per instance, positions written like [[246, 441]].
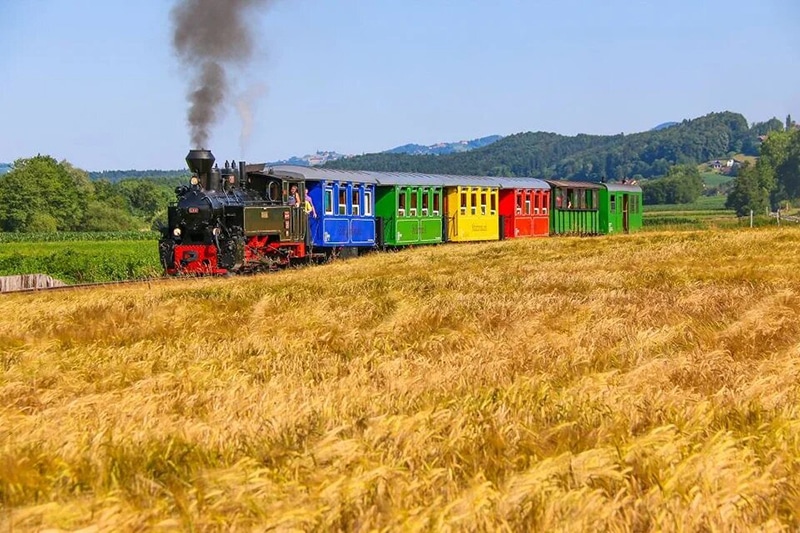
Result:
[[195, 180], [215, 231], [177, 232]]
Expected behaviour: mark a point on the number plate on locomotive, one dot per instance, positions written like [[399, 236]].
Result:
[[194, 210]]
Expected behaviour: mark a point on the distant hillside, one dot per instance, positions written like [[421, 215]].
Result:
[[444, 148], [325, 157], [4, 167], [665, 125], [310, 160], [583, 157]]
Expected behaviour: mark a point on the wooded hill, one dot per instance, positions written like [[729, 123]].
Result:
[[587, 157]]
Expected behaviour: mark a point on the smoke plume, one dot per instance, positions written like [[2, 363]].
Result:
[[210, 36], [245, 105]]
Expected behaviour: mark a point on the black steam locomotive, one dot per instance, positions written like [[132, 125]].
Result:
[[233, 219]]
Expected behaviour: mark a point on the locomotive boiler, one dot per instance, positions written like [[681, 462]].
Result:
[[233, 219]]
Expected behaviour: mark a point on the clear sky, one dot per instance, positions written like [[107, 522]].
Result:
[[97, 83]]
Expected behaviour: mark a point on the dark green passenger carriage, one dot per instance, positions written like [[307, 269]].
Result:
[[574, 208]]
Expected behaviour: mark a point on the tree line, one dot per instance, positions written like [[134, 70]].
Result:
[[587, 157], [774, 179], [41, 194]]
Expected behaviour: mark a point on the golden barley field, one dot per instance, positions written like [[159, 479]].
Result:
[[634, 383]]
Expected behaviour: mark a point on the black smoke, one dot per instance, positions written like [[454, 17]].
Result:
[[209, 37]]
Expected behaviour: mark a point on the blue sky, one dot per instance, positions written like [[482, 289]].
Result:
[[97, 83]]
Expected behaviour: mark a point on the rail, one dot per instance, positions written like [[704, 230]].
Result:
[[77, 286]]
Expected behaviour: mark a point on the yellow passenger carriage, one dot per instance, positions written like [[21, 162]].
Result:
[[471, 208]]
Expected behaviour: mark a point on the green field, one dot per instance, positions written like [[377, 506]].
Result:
[[713, 179], [704, 203], [79, 236], [708, 212], [82, 261]]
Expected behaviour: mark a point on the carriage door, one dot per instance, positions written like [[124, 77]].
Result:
[[625, 217]]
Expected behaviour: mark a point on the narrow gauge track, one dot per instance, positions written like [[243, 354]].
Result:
[[97, 284], [148, 281]]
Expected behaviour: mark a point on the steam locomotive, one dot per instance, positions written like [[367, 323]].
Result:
[[242, 218], [232, 220]]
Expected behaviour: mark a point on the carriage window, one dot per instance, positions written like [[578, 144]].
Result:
[[464, 203], [528, 196], [342, 200], [473, 203], [483, 203], [437, 201], [401, 203], [425, 202], [356, 197], [535, 200], [571, 199], [594, 200], [558, 200], [367, 203], [545, 201], [328, 201], [613, 203], [519, 202], [414, 200], [493, 200]]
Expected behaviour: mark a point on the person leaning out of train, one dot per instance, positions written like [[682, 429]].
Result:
[[294, 197], [310, 206]]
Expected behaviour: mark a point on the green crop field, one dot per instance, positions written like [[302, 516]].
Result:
[[713, 179], [82, 261], [91, 236], [703, 203], [708, 212]]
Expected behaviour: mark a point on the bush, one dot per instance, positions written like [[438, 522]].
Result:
[[41, 223]]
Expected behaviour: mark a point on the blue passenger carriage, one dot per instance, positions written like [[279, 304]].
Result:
[[341, 206]]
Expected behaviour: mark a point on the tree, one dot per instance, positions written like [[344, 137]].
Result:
[[750, 191], [102, 216], [682, 185], [36, 187], [789, 122], [774, 179]]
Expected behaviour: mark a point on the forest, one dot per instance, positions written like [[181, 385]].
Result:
[[41, 194]]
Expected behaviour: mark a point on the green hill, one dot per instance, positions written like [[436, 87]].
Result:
[[584, 157]]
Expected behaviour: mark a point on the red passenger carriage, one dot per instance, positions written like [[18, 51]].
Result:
[[524, 206]]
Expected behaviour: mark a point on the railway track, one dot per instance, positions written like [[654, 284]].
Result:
[[94, 285], [142, 281]]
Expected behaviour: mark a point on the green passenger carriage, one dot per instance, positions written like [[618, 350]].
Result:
[[620, 208], [409, 210]]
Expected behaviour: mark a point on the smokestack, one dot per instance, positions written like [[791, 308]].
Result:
[[200, 162]]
